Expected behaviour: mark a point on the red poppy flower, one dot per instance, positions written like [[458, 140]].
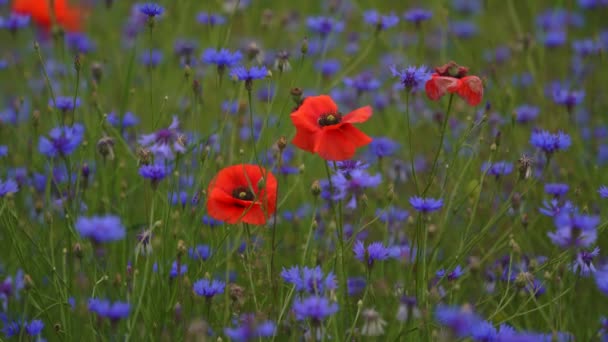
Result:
[[242, 193], [66, 16], [452, 78], [322, 129]]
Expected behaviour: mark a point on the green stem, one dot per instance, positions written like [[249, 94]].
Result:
[[409, 137], [441, 139]]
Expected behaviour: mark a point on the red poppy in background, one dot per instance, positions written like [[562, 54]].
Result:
[[452, 78], [242, 193], [67, 16], [322, 129]]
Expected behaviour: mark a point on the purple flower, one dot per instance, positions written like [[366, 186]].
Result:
[[417, 15], [324, 25], [79, 42], [151, 58], [113, 311], [34, 327], [311, 280], [458, 320], [603, 191], [208, 288], [151, 9], [201, 252], [128, 120], [484, 331], [14, 22], [556, 189], [567, 97], [210, 19], [62, 141], [65, 103], [426, 205], [464, 29], [8, 187], [412, 78], [382, 147], [248, 75], [222, 58], [554, 208], [364, 82], [355, 285], [550, 142], [601, 279], [165, 142], [328, 67], [373, 252], [497, 169], [351, 184], [314, 308], [526, 113], [382, 22], [456, 273], [100, 228], [584, 262], [574, 230], [249, 328], [154, 172]]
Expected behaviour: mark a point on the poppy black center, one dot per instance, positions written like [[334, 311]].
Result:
[[329, 119], [243, 194]]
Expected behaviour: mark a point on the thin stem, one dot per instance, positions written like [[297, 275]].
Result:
[[252, 131], [409, 137], [441, 139]]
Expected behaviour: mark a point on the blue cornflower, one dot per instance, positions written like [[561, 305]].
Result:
[[222, 58], [34, 327], [550, 142], [79, 42], [375, 251], [210, 19], [8, 187], [14, 22], [250, 328], [526, 113], [175, 271], [328, 67], [467, 6], [184, 47], [484, 331], [248, 75], [556, 189], [382, 22], [311, 280], [554, 207], [586, 47], [456, 273], [601, 279], [603, 191], [392, 215], [584, 262], [100, 228], [165, 142], [210, 222], [154, 172], [355, 285], [128, 120], [412, 78], [464, 29], [555, 38], [117, 311], [11, 328], [567, 97], [314, 308], [151, 9], [152, 58], [348, 166], [426, 205], [62, 141], [65, 103], [208, 288], [324, 25], [200, 252], [364, 82], [382, 147], [351, 185], [417, 15], [497, 169], [3, 151], [574, 230], [458, 320]]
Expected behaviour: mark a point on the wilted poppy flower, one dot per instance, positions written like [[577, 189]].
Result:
[[322, 129], [242, 193], [452, 78], [66, 16]]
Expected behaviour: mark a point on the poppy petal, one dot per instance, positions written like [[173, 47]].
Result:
[[334, 145], [358, 115], [471, 90], [438, 86]]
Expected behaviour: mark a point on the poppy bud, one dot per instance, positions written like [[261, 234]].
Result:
[[105, 147], [77, 250], [304, 46], [97, 71], [28, 283], [315, 189], [523, 279], [282, 143]]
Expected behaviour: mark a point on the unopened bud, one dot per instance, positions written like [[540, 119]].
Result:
[[315, 188]]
